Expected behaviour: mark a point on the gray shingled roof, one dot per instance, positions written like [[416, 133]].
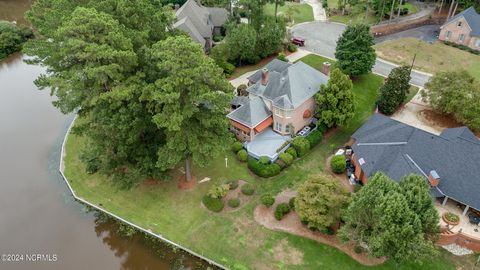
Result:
[[274, 65], [252, 113], [186, 25], [297, 83], [199, 17], [398, 149], [218, 15], [472, 18]]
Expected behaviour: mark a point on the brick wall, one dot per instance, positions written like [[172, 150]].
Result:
[[461, 240]]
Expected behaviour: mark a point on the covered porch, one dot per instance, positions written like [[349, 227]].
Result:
[[268, 143], [446, 204]]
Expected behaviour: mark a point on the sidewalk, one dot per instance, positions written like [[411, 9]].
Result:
[[319, 13]]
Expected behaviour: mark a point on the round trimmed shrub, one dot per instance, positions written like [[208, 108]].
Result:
[[291, 47], [213, 204], [248, 189], [338, 164], [242, 90], [232, 184], [267, 199], [281, 210], [286, 158], [237, 146], [218, 191], [233, 202], [291, 203], [242, 155], [264, 160], [292, 152], [282, 57], [301, 145]]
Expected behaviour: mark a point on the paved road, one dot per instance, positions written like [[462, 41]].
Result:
[[427, 33], [321, 38]]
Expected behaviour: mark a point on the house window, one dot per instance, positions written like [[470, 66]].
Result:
[[459, 24], [449, 34], [461, 37], [278, 126], [279, 112], [288, 128], [288, 113], [477, 42]]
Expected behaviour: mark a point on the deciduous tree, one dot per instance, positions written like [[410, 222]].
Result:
[[354, 50], [456, 93], [335, 100], [241, 41], [320, 200]]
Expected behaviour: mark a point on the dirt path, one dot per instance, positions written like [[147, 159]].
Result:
[[291, 224]]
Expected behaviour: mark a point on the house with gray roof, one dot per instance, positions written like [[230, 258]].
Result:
[[463, 28], [200, 22], [449, 161], [280, 97]]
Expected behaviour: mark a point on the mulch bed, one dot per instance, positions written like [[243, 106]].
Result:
[[236, 193], [291, 224], [342, 178], [184, 184]]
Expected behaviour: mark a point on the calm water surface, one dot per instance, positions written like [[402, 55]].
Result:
[[37, 213]]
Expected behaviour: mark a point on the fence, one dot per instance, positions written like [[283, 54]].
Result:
[[391, 28], [149, 232]]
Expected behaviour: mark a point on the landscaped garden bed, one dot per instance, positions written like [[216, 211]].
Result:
[[451, 218]]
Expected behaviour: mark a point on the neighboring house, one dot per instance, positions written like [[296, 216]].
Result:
[[281, 95], [464, 28], [199, 22], [450, 161]]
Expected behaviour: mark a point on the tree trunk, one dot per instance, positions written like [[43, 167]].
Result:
[[455, 9], [383, 11], [399, 8], [450, 9], [391, 11], [366, 10], [276, 6], [441, 6], [188, 173]]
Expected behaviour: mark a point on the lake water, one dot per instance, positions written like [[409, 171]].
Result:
[[38, 215]]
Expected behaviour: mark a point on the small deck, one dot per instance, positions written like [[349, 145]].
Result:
[[266, 144]]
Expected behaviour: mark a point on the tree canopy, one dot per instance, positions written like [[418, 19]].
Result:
[[105, 59], [335, 103], [398, 221], [320, 200], [394, 92], [456, 93], [354, 51]]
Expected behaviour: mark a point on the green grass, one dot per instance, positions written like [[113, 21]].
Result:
[[411, 93], [233, 239], [354, 18], [430, 57], [304, 14]]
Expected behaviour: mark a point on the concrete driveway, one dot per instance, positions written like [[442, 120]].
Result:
[[321, 38], [427, 33]]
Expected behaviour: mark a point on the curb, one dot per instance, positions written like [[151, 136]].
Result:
[[149, 232], [397, 65]]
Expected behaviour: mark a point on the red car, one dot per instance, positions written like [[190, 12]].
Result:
[[298, 41]]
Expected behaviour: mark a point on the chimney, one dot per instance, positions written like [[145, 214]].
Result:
[[326, 68], [433, 178], [264, 76]]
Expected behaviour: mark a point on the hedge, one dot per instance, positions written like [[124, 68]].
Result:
[[301, 145], [237, 146], [338, 164], [281, 210], [248, 189], [242, 155], [264, 160], [213, 204], [462, 47], [267, 199], [286, 158], [263, 170], [314, 138], [292, 152]]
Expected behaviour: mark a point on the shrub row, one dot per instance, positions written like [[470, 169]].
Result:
[[261, 169], [301, 145], [314, 138], [462, 47]]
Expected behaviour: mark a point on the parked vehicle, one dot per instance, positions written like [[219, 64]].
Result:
[[298, 41]]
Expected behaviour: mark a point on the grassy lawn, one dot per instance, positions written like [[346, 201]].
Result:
[[354, 18], [430, 57], [234, 239], [304, 14]]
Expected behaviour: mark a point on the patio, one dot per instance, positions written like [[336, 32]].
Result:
[[465, 226], [266, 144]]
